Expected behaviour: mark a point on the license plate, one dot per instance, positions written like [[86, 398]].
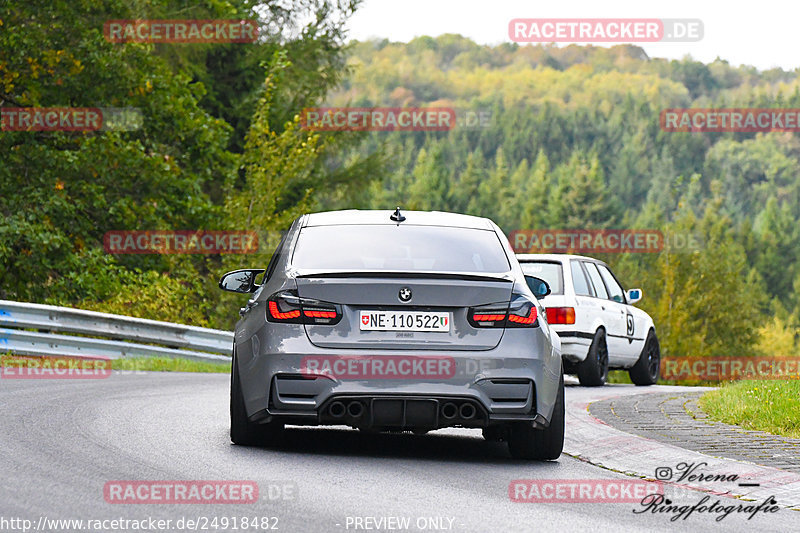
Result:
[[404, 321]]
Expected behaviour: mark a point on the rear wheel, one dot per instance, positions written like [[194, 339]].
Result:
[[593, 371], [243, 431], [546, 444], [495, 433], [645, 371]]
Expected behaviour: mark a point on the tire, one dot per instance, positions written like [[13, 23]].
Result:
[[593, 371], [645, 371], [495, 433], [546, 444], [243, 431]]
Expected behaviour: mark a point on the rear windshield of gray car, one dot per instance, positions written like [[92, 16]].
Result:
[[403, 248], [549, 272]]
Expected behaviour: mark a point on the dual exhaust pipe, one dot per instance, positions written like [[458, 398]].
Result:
[[337, 409], [449, 410]]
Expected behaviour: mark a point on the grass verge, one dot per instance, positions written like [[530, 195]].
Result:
[[619, 376], [168, 364], [771, 406]]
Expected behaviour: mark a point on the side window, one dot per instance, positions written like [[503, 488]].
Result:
[[597, 281], [615, 291], [579, 280]]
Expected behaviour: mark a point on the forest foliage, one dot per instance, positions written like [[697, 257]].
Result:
[[573, 141]]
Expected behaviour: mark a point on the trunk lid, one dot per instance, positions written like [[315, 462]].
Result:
[[453, 294]]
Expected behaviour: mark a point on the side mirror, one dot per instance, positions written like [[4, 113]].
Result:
[[240, 280], [539, 287], [634, 295]]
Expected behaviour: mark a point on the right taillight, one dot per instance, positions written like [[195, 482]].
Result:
[[287, 307], [560, 315], [518, 313]]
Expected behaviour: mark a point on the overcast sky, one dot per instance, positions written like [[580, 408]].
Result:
[[764, 34]]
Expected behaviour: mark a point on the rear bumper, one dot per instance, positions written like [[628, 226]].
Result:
[[575, 345], [512, 382], [320, 401]]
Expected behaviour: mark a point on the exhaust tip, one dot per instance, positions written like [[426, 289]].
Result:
[[449, 410], [467, 411], [355, 409], [336, 409]]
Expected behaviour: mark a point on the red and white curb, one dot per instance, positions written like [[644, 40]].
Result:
[[597, 443]]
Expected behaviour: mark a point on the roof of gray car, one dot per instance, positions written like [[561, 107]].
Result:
[[415, 218]]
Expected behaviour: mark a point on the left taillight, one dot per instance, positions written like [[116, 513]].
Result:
[[487, 316], [560, 315], [287, 307]]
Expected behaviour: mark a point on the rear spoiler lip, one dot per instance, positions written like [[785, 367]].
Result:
[[466, 276]]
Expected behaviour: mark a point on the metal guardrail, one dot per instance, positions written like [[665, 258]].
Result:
[[124, 334]]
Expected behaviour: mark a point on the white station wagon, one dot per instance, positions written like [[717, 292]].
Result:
[[600, 329]]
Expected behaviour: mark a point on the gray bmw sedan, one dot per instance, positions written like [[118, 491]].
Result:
[[396, 321]]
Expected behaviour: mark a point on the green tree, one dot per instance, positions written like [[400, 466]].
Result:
[[776, 254], [466, 187], [430, 185], [494, 191], [511, 208], [697, 297], [61, 191], [581, 198], [537, 200]]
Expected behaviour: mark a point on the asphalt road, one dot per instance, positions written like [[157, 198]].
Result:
[[61, 441]]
